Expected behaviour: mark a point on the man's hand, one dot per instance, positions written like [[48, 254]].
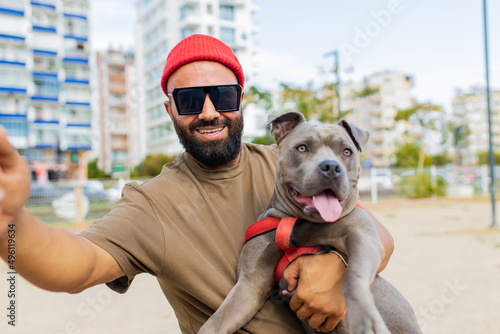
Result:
[[15, 181], [319, 297]]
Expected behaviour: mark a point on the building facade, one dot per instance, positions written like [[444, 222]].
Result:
[[471, 109], [44, 83], [161, 25], [118, 125], [374, 104]]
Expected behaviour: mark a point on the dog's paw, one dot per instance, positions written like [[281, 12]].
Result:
[[365, 320]]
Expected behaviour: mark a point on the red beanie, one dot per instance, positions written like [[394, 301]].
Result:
[[201, 47]]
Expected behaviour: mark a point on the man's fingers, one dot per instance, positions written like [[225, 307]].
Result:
[[330, 324], [304, 312], [291, 274], [8, 154], [316, 320]]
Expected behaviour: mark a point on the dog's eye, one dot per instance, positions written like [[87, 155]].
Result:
[[302, 148], [347, 152]]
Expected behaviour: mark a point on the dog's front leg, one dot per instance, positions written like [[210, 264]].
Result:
[[255, 282], [365, 253]]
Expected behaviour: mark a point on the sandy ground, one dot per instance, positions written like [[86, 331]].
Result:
[[446, 262]]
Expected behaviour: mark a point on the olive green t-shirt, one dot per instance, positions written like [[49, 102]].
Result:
[[186, 226]]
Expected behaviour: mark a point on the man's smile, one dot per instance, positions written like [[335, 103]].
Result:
[[211, 132]]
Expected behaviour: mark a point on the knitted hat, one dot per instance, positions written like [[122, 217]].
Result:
[[201, 47]]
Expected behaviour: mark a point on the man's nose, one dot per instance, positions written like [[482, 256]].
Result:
[[208, 112]]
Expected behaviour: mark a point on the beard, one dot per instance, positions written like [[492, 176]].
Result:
[[212, 153]]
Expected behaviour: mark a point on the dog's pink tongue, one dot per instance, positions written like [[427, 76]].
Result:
[[328, 206]]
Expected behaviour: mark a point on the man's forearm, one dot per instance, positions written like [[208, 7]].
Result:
[[53, 259], [385, 237]]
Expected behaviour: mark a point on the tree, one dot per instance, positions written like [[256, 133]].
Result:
[[365, 92], [152, 164], [484, 158], [421, 119], [407, 155], [93, 171], [259, 97]]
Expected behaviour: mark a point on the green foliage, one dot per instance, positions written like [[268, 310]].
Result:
[[417, 113], [365, 92], [93, 172], [152, 164], [441, 159], [261, 98], [407, 155], [311, 102], [420, 186], [484, 158], [264, 140]]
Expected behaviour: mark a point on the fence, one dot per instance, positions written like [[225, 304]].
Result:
[[55, 202]]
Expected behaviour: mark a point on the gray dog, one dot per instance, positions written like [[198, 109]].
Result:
[[316, 181]]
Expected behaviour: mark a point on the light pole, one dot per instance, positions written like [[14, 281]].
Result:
[[335, 54], [491, 159]]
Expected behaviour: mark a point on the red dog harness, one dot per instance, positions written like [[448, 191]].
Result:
[[284, 229]]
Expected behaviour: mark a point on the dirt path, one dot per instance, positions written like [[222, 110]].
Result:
[[446, 262]]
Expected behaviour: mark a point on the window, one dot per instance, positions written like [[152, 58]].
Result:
[[15, 126], [186, 11], [226, 12], [227, 35], [187, 31], [46, 87]]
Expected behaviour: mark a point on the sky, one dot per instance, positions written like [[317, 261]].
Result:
[[439, 43]]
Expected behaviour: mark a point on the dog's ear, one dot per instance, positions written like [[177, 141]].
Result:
[[359, 137], [282, 124]]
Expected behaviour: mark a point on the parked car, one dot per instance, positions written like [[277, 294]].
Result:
[[383, 176], [115, 191], [45, 193]]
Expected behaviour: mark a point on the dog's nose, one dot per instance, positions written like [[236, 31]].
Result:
[[330, 168]]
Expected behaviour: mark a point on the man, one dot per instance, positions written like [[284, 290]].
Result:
[[186, 226]]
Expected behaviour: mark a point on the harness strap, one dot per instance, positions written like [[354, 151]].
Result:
[[284, 229], [261, 227], [291, 254]]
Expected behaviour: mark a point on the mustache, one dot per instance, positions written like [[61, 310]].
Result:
[[216, 122]]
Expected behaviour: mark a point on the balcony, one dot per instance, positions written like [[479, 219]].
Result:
[[78, 138], [79, 38], [9, 7], [49, 53], [75, 16], [44, 4], [76, 56], [80, 8], [14, 38]]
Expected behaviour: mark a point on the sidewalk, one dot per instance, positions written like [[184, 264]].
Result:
[[446, 262]]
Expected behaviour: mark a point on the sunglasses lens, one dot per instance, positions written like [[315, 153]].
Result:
[[225, 98], [190, 101]]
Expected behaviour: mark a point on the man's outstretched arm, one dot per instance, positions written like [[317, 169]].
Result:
[[48, 257]]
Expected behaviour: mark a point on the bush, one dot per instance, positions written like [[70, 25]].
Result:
[[419, 186]]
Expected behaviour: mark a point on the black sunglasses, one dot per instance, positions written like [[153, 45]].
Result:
[[190, 100]]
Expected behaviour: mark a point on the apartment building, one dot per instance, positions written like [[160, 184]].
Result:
[[161, 25], [374, 103], [44, 82], [118, 124], [472, 110]]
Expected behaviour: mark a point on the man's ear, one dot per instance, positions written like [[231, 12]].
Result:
[[359, 137], [282, 124], [168, 107]]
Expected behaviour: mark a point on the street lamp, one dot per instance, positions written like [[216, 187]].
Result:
[[335, 54], [491, 160]]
